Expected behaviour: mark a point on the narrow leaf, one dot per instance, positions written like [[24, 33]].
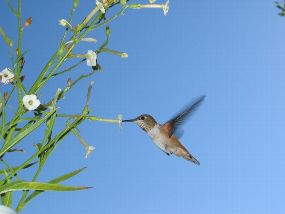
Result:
[[25, 132], [54, 181], [16, 168], [24, 185], [7, 197], [7, 40]]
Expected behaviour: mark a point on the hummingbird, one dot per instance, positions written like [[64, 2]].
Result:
[[165, 136]]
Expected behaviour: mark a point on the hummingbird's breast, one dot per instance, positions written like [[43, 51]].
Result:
[[160, 138]]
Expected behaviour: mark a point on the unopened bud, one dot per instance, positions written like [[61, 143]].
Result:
[[6, 95], [69, 82], [28, 22]]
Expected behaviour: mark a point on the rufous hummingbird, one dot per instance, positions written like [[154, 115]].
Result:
[[164, 135]]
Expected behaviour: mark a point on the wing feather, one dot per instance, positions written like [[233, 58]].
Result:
[[171, 125]]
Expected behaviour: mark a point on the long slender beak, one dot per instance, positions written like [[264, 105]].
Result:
[[131, 120]]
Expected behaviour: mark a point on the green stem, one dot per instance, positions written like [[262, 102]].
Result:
[[89, 117], [117, 53], [68, 69], [19, 53], [112, 18]]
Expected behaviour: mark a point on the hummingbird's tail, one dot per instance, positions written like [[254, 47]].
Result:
[[189, 157], [182, 152]]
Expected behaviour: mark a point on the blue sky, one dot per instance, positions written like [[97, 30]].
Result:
[[232, 51]]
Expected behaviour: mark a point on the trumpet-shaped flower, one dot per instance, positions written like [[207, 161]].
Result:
[[89, 149], [100, 6], [7, 76], [31, 102], [87, 39], [64, 23], [91, 57], [120, 120], [165, 7]]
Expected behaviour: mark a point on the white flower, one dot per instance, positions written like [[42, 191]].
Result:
[[7, 76], [6, 210], [165, 7], [91, 57], [87, 39], [120, 120], [64, 23], [31, 102], [89, 149], [124, 55], [100, 6]]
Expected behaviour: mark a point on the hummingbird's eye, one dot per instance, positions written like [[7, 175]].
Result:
[[142, 117]]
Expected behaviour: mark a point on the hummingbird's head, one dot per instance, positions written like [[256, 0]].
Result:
[[145, 121]]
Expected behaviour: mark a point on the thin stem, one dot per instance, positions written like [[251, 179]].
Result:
[[68, 69], [89, 117], [19, 53], [112, 18]]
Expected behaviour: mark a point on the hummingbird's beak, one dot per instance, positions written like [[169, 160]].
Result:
[[132, 120]]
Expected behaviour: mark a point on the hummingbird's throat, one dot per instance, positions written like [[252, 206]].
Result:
[[144, 126]]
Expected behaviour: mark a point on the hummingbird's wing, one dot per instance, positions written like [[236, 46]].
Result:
[[171, 126]]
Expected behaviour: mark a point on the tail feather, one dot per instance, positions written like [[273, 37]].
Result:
[[191, 158], [183, 152]]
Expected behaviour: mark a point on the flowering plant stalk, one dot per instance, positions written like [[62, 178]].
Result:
[[20, 125]]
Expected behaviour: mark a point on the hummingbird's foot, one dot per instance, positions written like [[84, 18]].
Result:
[[167, 153]]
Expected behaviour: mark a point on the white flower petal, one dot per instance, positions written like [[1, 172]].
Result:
[[91, 57], [37, 103], [88, 39], [26, 99], [120, 120], [33, 97], [64, 23], [6, 210], [166, 7], [89, 150]]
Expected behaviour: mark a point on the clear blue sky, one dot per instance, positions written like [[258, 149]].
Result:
[[232, 51]]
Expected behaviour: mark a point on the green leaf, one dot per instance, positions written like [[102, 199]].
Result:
[[24, 185], [12, 9], [54, 181], [25, 132], [75, 3], [6, 198], [108, 33], [11, 170], [3, 115], [66, 176], [7, 40]]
